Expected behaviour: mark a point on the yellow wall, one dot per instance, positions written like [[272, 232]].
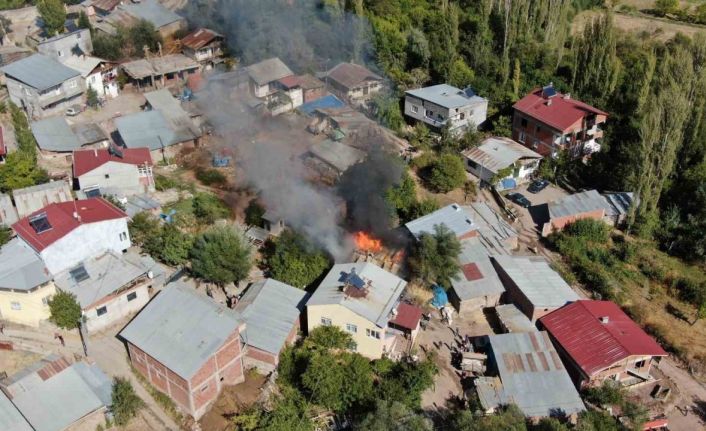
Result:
[[31, 311], [339, 315]]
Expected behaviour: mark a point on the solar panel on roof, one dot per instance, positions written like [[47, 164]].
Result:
[[355, 280], [79, 274], [548, 91], [40, 223]]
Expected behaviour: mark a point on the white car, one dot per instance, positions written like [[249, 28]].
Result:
[[73, 110]]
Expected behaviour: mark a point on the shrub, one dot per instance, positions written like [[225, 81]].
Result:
[[446, 173], [589, 230], [209, 208], [691, 291], [162, 183], [211, 177], [64, 310], [126, 403]]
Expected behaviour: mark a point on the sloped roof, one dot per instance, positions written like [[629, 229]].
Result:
[[337, 154], [513, 319], [268, 70], [270, 310], [351, 75], [200, 38], [87, 160], [10, 418], [532, 376], [55, 134], [153, 130], [594, 345], [498, 153], [181, 328], [446, 96], [84, 64], [60, 216], [618, 203], [382, 295], [20, 267], [543, 287], [454, 217], [39, 71], [560, 113], [477, 277], [170, 63], [577, 203], [152, 11], [89, 133]]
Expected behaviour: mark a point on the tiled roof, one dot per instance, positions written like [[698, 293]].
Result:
[[593, 343], [87, 160], [62, 220], [559, 111], [351, 75]]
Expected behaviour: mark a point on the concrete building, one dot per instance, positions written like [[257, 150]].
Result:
[[477, 285], [158, 72], [127, 14], [53, 394], [42, 86], [513, 320], [25, 285], [532, 285], [263, 77], [57, 138], [311, 87], [67, 233], [114, 171], [549, 122], [501, 162], [111, 286], [525, 370], [8, 212], [203, 45], [75, 43], [611, 208], [34, 198], [271, 311], [353, 82], [599, 342], [98, 74], [443, 104], [363, 300], [187, 346]]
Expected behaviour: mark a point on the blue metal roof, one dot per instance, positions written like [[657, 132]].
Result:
[[39, 71], [325, 102]]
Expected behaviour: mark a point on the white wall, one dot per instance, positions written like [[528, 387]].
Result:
[[86, 241], [122, 178], [117, 308]]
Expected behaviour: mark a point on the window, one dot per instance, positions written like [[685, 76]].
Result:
[[640, 364], [523, 121], [73, 84], [472, 164], [326, 321], [107, 176], [59, 53], [131, 296], [415, 109], [123, 236], [40, 223], [372, 334], [535, 144], [463, 116], [430, 113], [538, 129], [351, 328], [79, 273], [15, 305], [354, 347], [101, 311], [521, 137]]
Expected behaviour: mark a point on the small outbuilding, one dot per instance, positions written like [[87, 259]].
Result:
[[477, 285], [499, 161]]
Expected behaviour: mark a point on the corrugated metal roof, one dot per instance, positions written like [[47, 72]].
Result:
[[39, 71], [383, 292], [594, 345], [513, 319], [454, 217], [152, 11], [139, 203], [181, 328], [10, 417], [337, 154], [55, 134], [155, 66], [199, 38], [87, 160], [84, 64], [531, 376], [89, 133], [498, 153], [560, 114], [446, 96], [618, 203], [351, 75], [20, 267], [577, 203], [268, 70], [474, 253], [270, 310], [58, 402], [146, 129], [543, 287]]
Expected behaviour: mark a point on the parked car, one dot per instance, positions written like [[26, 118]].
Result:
[[519, 199], [73, 110], [537, 186]]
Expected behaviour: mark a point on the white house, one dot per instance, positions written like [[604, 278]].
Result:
[[114, 171], [508, 162], [441, 104], [67, 233], [98, 74], [264, 76]]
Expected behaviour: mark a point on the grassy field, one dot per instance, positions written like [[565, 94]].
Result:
[[659, 29]]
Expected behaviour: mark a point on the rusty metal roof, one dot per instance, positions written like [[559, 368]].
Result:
[[199, 38], [351, 75]]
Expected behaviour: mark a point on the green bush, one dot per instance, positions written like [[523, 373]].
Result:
[[209, 208], [589, 230], [163, 183], [691, 291], [446, 173], [211, 177]]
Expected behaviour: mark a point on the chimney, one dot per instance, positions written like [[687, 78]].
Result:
[[549, 102], [567, 96], [605, 320], [95, 152]]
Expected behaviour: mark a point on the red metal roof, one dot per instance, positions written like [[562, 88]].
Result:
[[560, 114], [62, 220], [471, 272], [594, 345], [199, 38], [408, 316], [87, 160]]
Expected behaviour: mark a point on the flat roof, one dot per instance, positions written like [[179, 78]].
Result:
[[578, 203], [89, 133], [381, 296], [513, 319], [531, 376], [498, 153], [270, 310], [446, 96], [55, 134], [181, 328], [10, 418], [337, 154], [39, 71], [477, 277], [543, 287], [152, 11], [268, 70], [149, 129], [454, 217]]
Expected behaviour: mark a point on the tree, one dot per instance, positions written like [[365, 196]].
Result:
[[221, 255], [92, 97], [292, 259], [461, 75], [435, 256], [125, 401], [83, 21], [329, 337], [664, 7], [386, 110], [109, 47], [446, 173], [394, 416], [171, 246], [338, 382], [5, 235], [208, 208], [20, 171], [254, 213], [53, 14], [64, 310], [143, 34], [290, 412], [143, 227], [595, 420]]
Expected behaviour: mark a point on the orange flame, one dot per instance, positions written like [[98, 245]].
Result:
[[367, 243]]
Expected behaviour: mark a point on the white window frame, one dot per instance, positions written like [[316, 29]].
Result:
[[16, 305], [415, 109], [521, 137], [353, 329], [326, 321], [372, 333]]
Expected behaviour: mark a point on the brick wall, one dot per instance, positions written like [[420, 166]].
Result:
[[161, 377], [558, 223]]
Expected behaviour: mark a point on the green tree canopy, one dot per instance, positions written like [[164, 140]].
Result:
[[293, 260], [663, 7], [394, 416], [143, 34], [64, 310], [254, 213], [435, 256], [53, 14], [208, 208], [446, 173], [171, 245], [143, 227], [221, 255], [329, 337], [126, 403], [338, 382]]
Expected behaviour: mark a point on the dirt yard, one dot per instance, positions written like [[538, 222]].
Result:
[[659, 29], [232, 400], [12, 361]]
